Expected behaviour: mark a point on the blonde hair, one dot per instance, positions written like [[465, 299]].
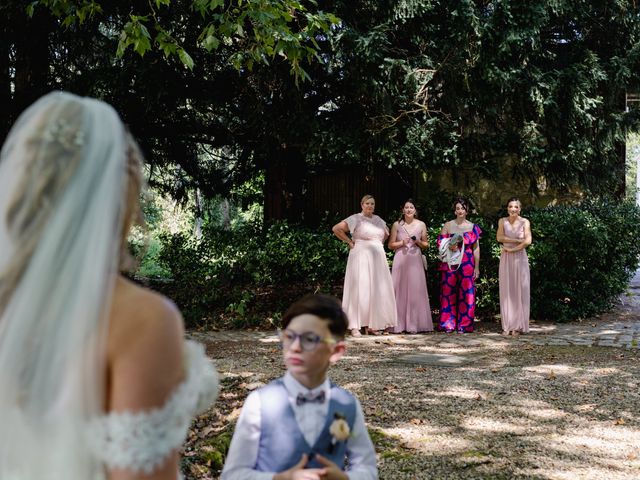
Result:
[[132, 214], [38, 190], [43, 180], [365, 198]]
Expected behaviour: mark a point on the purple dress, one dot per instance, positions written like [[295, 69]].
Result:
[[458, 288], [514, 283], [410, 284]]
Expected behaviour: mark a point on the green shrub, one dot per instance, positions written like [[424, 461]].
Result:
[[243, 271], [581, 260]]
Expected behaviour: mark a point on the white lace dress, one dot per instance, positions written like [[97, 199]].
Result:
[[142, 441]]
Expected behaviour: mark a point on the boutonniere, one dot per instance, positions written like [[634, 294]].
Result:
[[339, 430]]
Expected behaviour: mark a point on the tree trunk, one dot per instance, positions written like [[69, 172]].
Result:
[[284, 181], [621, 148]]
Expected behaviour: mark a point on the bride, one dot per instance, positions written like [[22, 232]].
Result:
[[96, 380]]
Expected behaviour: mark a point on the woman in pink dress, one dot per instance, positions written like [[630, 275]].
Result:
[[408, 238], [514, 233], [368, 297]]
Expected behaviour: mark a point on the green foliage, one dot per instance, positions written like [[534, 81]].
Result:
[[227, 269], [416, 84], [265, 29], [147, 250], [211, 452], [581, 260], [463, 85]]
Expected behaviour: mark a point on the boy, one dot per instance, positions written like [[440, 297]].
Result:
[[301, 426]]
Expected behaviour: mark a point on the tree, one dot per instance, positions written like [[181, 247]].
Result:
[[189, 120], [415, 84], [263, 29], [466, 85]]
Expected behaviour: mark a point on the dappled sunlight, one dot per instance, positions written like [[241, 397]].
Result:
[[454, 408], [231, 374], [526, 403], [353, 386], [549, 328], [350, 358], [537, 409], [597, 372], [608, 332], [493, 425], [556, 369], [270, 339], [400, 349], [573, 472], [460, 392], [603, 445], [585, 408], [428, 439], [545, 413], [610, 438], [489, 383]]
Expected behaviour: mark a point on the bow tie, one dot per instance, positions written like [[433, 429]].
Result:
[[310, 398]]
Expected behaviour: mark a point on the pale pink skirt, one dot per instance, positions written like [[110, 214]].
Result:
[[514, 291], [368, 297]]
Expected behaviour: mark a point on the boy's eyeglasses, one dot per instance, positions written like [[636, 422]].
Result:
[[308, 340]]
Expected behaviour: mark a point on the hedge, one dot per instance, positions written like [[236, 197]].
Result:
[[581, 259]]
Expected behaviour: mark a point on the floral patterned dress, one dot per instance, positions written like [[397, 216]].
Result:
[[458, 288]]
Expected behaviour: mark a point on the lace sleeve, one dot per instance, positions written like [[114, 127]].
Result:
[[352, 222], [141, 441]]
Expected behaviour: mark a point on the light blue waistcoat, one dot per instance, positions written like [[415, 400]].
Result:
[[281, 441]]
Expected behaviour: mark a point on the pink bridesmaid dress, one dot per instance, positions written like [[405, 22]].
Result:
[[368, 297], [515, 283], [410, 285]]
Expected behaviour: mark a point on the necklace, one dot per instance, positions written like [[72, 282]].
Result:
[[459, 226]]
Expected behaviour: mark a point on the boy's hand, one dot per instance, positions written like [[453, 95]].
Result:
[[298, 472], [332, 471]]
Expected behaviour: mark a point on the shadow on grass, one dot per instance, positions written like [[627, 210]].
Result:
[[551, 413], [515, 412]]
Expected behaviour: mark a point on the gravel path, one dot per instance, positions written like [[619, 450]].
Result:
[[559, 403]]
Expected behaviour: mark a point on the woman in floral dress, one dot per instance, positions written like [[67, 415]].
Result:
[[458, 288]]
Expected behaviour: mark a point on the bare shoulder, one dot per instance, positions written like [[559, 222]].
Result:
[[142, 316], [145, 348]]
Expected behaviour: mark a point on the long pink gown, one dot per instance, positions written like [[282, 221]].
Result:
[[368, 297], [515, 282], [410, 285]]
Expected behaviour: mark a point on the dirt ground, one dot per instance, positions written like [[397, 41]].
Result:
[[501, 410]]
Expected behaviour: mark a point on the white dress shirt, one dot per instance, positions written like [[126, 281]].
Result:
[[311, 418]]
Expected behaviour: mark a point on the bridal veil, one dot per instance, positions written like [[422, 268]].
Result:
[[63, 185]]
